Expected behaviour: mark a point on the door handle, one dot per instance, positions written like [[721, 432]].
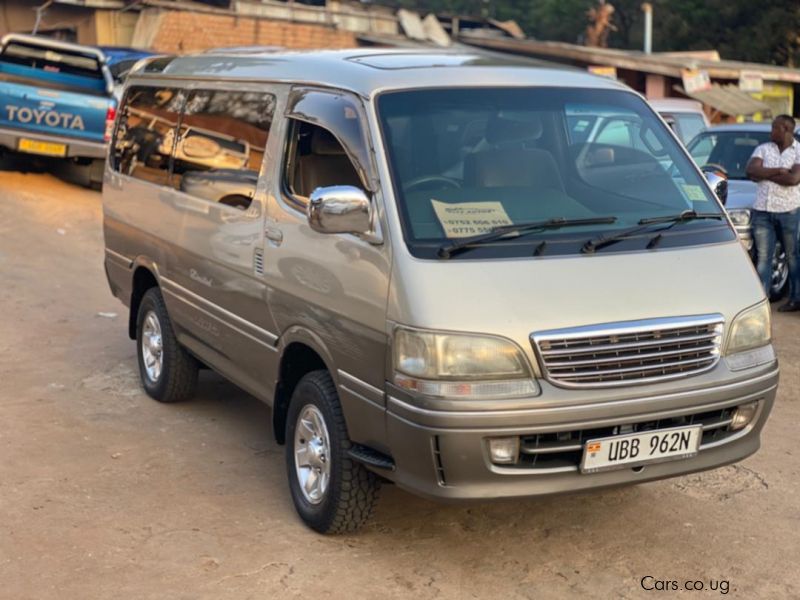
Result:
[[274, 235]]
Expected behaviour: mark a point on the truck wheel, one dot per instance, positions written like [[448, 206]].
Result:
[[331, 492], [168, 372]]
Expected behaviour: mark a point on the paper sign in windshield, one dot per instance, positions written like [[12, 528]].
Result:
[[469, 218], [694, 193]]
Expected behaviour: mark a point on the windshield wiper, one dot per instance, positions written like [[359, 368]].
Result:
[[675, 220], [515, 230], [644, 225]]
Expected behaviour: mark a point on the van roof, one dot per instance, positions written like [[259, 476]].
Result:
[[368, 71], [676, 105]]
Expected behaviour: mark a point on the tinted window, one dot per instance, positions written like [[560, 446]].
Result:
[[343, 116], [315, 159], [221, 145], [54, 61], [730, 149], [690, 125], [464, 161], [146, 133]]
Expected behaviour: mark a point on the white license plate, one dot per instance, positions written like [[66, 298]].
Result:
[[640, 448]]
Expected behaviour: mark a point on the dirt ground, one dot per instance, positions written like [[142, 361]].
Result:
[[105, 493]]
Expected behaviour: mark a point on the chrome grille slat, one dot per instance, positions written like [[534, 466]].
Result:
[[630, 352], [617, 347], [637, 369], [550, 449], [717, 424], [621, 358]]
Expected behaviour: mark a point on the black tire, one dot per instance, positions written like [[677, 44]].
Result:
[[177, 379], [777, 292], [96, 175], [352, 490]]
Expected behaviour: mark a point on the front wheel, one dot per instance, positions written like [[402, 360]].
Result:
[[331, 492]]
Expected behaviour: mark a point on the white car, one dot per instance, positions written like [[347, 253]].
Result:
[[685, 117]]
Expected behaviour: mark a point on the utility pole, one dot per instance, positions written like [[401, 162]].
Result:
[[647, 9]]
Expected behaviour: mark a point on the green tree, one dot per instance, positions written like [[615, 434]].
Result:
[[767, 32]]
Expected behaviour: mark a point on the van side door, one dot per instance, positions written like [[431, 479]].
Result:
[[217, 204]]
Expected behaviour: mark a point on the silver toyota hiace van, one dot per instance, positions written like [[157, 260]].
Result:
[[470, 278]]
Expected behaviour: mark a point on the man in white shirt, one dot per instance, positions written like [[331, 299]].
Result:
[[776, 212]]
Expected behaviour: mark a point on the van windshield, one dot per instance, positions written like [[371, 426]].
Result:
[[467, 160]]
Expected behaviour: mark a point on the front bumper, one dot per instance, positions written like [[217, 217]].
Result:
[[76, 148], [444, 453]]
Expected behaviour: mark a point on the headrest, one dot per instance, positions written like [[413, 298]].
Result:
[[500, 130], [323, 142]]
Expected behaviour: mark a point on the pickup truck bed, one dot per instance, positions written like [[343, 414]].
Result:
[[55, 98]]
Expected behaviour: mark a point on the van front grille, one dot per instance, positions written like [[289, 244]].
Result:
[[563, 450], [631, 352]]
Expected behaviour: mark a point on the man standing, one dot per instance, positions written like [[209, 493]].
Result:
[[776, 212]]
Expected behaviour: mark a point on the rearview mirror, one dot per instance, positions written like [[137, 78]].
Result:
[[718, 182], [599, 157], [340, 209]]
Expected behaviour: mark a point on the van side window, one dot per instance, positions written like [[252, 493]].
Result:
[[145, 133], [315, 158], [223, 136]]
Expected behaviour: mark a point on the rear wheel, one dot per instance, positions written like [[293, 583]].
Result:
[[331, 492], [779, 282], [168, 372]]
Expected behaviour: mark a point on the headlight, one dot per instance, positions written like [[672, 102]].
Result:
[[454, 365], [752, 328], [740, 217]]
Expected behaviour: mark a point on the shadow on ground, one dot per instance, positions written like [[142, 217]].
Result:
[[66, 170]]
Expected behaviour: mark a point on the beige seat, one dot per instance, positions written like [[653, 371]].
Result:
[[512, 167], [326, 165]]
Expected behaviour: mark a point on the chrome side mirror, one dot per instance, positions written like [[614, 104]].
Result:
[[340, 209], [718, 182]]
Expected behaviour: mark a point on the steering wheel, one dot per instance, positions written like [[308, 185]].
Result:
[[714, 167], [420, 181]]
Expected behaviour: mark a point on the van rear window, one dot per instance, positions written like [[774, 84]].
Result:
[[51, 60]]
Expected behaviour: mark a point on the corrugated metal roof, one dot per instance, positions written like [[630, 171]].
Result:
[[662, 64], [730, 100]]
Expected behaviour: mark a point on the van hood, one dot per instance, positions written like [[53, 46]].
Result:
[[741, 193], [514, 298]]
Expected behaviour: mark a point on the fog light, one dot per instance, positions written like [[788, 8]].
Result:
[[504, 451], [743, 415]]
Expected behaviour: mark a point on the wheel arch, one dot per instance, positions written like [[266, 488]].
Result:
[[301, 352], [145, 276]]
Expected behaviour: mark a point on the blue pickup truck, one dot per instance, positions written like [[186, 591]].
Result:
[[56, 99]]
